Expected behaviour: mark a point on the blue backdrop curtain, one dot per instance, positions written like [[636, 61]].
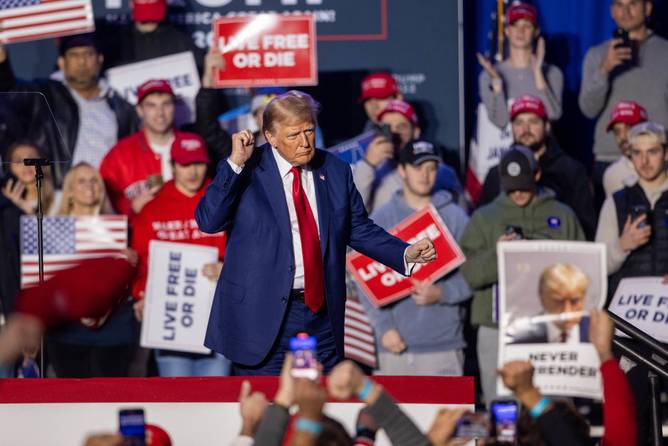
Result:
[[569, 27]]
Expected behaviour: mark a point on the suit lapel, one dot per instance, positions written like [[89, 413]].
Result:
[[322, 196], [271, 182]]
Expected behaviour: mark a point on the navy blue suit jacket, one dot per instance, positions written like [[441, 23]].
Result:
[[254, 286]]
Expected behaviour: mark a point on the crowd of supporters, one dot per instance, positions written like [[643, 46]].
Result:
[[114, 158]]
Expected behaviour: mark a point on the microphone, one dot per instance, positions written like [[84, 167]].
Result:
[[37, 162]]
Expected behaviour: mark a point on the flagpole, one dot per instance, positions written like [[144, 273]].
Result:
[[499, 30]]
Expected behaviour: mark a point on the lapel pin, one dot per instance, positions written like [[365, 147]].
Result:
[[322, 177]]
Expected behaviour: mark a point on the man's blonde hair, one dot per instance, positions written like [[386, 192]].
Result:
[[563, 276], [292, 105]]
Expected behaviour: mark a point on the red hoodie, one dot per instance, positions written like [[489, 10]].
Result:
[[170, 216]]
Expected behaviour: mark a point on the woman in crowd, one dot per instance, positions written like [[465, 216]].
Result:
[[18, 197], [91, 348], [523, 72]]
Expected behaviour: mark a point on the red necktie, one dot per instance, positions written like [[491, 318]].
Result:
[[564, 336], [314, 289]]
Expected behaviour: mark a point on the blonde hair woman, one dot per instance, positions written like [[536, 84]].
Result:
[[83, 192], [99, 348]]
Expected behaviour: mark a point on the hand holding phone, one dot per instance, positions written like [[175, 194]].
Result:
[[304, 356], [132, 426], [504, 421]]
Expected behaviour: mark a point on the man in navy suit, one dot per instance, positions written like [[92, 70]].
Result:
[[289, 211], [562, 289]]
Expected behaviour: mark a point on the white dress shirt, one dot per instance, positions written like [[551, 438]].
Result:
[[308, 184], [309, 189]]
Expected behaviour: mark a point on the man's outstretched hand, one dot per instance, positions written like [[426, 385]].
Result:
[[421, 252]]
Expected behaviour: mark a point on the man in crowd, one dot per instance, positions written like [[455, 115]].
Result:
[[147, 36], [566, 177], [170, 217], [615, 71], [633, 227], [89, 115], [289, 211], [136, 167], [435, 345], [562, 288], [378, 89], [376, 176], [632, 221], [523, 211], [621, 173]]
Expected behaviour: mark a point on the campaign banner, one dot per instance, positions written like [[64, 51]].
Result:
[[266, 50], [546, 290], [643, 303], [178, 296], [485, 151], [179, 69], [382, 284], [353, 150]]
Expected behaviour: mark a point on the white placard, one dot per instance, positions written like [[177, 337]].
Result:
[[643, 303], [178, 296], [179, 69], [546, 289]]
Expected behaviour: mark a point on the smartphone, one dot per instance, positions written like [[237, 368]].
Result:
[[385, 131], [132, 426], [504, 421], [154, 180], [473, 426], [637, 211], [512, 229], [304, 356], [621, 33]]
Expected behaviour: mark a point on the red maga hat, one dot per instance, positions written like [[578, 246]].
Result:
[[149, 10], [379, 86], [189, 148], [153, 86], [403, 108], [628, 112], [528, 104], [522, 11]]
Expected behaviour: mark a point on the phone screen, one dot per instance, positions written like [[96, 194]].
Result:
[[504, 420], [304, 356], [132, 427], [473, 425]]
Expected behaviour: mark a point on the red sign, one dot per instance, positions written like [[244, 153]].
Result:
[[266, 50], [383, 285]]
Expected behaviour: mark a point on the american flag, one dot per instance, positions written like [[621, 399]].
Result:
[[68, 240], [22, 20], [358, 340]]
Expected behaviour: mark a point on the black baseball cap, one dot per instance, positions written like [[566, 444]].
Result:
[[517, 169], [417, 152], [77, 40]]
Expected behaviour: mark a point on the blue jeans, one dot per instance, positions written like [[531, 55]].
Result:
[[298, 318], [172, 365]]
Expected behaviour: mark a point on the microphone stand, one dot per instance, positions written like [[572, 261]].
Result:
[[38, 163]]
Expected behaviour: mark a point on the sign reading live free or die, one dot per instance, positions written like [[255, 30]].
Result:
[[266, 49]]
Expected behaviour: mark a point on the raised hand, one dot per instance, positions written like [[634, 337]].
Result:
[[242, 147], [252, 406], [634, 236], [213, 59], [421, 252], [379, 150], [615, 56], [601, 329]]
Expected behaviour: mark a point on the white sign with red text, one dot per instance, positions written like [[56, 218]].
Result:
[[178, 296]]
